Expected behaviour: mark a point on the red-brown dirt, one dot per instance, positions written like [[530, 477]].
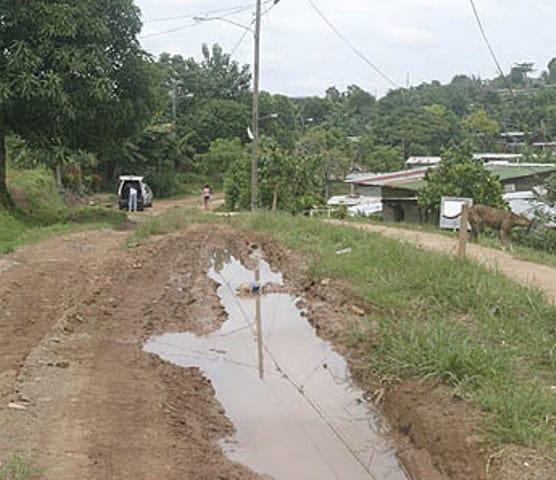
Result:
[[75, 312]]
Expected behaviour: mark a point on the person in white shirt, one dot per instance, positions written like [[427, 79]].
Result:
[[132, 201]]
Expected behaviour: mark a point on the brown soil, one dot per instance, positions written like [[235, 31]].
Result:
[[74, 313], [71, 329]]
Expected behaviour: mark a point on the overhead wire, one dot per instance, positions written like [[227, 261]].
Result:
[[230, 11], [356, 50], [171, 30], [242, 38], [489, 46], [200, 18], [520, 116]]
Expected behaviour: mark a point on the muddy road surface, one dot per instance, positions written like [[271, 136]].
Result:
[[78, 395], [81, 397], [139, 364]]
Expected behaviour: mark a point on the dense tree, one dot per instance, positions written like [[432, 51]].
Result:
[[159, 153], [278, 119], [519, 73], [215, 77], [378, 158], [66, 68], [460, 175], [221, 154], [329, 151], [219, 119], [286, 182], [277, 170], [481, 129], [550, 187], [552, 71]]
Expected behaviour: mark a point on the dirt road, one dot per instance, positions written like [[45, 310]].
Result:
[[81, 398], [526, 273], [88, 403]]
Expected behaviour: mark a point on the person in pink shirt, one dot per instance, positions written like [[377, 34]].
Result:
[[206, 196]]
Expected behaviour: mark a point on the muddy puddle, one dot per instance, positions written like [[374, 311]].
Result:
[[304, 419]]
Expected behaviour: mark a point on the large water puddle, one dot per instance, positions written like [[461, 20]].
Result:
[[304, 419]]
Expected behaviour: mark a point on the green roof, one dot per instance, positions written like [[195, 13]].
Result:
[[509, 172], [504, 172]]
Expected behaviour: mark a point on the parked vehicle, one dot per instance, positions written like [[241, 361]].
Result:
[[144, 192]]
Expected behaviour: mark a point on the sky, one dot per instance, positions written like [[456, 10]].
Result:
[[411, 41]]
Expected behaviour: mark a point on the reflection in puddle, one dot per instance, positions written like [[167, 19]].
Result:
[[304, 419]]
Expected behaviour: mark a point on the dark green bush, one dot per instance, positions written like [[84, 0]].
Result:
[[539, 238]]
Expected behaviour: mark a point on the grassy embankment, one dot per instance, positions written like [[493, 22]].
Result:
[[42, 211], [436, 317]]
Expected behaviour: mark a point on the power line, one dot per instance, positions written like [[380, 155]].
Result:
[[351, 46], [172, 30], [204, 17], [239, 42], [489, 46], [230, 11], [242, 38]]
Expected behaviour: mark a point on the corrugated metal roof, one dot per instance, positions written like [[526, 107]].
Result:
[[505, 172], [497, 156], [401, 176], [509, 172]]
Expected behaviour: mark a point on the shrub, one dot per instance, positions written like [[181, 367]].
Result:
[[540, 239]]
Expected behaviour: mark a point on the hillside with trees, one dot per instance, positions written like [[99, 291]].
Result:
[[92, 113]]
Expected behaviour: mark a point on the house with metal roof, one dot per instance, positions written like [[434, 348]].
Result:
[[419, 162], [399, 190]]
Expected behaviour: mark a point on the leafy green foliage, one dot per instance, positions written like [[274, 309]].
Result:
[[329, 153], [158, 154], [285, 182], [221, 154], [71, 72], [378, 158], [218, 119], [481, 128], [460, 175], [543, 239]]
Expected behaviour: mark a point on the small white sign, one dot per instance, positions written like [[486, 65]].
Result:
[[452, 207]]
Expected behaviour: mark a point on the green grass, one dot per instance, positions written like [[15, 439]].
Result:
[[38, 195], [490, 240], [43, 213], [435, 317], [15, 468], [443, 319], [170, 221], [17, 230]]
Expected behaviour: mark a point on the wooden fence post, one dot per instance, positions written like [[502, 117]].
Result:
[[463, 233], [258, 319]]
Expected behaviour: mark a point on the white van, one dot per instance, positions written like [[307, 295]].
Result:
[[144, 196]]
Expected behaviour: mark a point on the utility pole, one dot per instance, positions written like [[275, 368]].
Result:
[[174, 95], [256, 78]]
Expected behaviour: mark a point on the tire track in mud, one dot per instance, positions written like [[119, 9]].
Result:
[[95, 405]]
